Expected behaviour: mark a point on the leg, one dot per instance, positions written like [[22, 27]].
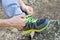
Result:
[[11, 7], [0, 1]]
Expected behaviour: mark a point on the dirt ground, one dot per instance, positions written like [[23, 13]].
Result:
[[42, 9]]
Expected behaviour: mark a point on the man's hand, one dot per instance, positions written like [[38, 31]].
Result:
[[28, 9], [17, 21]]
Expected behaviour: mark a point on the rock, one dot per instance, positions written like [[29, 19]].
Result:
[[32, 34]]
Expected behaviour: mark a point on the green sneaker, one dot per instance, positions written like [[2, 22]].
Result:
[[36, 25]]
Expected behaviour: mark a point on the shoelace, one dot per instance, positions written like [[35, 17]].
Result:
[[30, 22], [30, 19]]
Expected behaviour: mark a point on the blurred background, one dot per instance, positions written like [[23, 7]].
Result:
[[42, 9]]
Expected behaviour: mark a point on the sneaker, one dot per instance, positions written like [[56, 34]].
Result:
[[36, 25]]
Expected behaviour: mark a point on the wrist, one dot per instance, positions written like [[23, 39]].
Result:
[[3, 23]]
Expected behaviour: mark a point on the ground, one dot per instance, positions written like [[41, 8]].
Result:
[[42, 9]]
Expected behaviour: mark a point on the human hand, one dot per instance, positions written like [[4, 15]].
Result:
[[28, 9], [17, 21]]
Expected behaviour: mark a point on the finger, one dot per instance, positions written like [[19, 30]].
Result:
[[30, 11], [21, 18]]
